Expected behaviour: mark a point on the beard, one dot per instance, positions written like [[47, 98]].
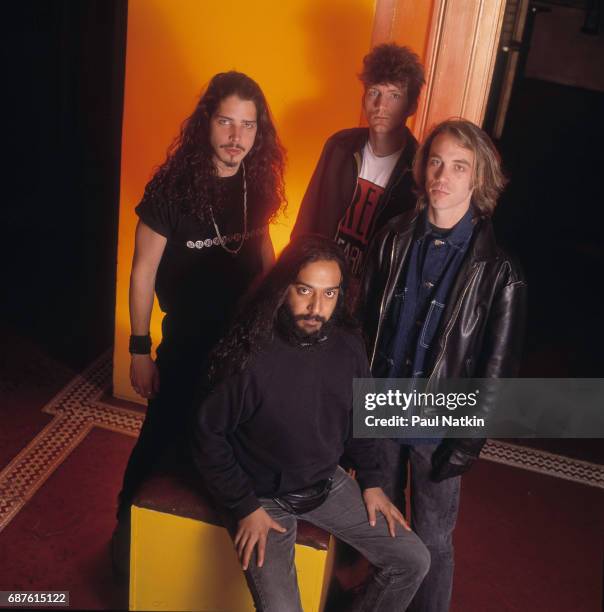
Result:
[[287, 326]]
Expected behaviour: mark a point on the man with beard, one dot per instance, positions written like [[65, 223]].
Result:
[[269, 436], [202, 237], [363, 177], [441, 299]]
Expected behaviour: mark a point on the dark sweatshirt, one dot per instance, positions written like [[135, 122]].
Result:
[[283, 423]]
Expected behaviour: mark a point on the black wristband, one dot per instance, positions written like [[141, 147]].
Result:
[[140, 345]]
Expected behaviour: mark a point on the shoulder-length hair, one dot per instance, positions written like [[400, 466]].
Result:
[[488, 179], [186, 177]]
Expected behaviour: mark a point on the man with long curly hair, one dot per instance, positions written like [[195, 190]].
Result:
[[270, 434], [363, 177], [441, 299], [202, 237]]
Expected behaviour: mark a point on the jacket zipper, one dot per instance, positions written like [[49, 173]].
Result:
[[377, 336], [357, 165], [387, 193]]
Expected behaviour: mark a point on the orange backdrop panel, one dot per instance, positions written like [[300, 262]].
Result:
[[304, 55]]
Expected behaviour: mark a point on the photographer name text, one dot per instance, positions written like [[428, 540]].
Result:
[[441, 420]]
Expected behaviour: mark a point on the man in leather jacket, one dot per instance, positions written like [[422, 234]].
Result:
[[440, 299]]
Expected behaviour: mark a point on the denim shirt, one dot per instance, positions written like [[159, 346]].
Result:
[[434, 261], [422, 295]]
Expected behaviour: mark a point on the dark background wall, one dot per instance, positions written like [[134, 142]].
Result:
[[63, 68], [551, 214]]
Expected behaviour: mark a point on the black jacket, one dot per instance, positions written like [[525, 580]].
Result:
[[481, 331], [332, 185]]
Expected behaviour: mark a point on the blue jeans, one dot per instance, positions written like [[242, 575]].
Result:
[[401, 562], [434, 507]]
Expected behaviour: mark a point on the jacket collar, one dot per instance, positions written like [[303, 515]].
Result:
[[361, 135], [458, 236], [403, 164], [483, 246]]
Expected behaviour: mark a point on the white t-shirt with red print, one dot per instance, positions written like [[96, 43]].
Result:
[[356, 226]]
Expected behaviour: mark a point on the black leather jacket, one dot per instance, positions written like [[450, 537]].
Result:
[[481, 331]]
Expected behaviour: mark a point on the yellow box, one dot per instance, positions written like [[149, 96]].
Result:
[[179, 563]]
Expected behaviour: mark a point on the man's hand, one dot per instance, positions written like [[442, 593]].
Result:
[[253, 529], [144, 376], [376, 499], [449, 461]]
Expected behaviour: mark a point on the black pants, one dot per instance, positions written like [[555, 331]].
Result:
[[168, 420]]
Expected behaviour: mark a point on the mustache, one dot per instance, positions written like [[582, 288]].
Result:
[[309, 317]]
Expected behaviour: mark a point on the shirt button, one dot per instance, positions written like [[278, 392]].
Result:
[[419, 323], [438, 243], [408, 361], [428, 285]]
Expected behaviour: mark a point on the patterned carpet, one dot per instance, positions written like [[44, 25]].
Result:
[[78, 408]]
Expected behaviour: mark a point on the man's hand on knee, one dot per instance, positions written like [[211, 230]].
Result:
[[251, 530], [376, 500]]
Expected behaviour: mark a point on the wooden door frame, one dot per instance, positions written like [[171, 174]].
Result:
[[459, 55]]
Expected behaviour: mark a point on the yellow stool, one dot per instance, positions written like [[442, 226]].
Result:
[[181, 558]]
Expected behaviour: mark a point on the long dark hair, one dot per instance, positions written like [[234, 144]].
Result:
[[186, 177], [255, 325]]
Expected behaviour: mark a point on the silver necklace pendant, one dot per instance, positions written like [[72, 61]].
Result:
[[220, 237]]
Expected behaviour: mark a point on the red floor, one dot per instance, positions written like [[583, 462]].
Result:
[[28, 379], [525, 542], [59, 540], [528, 542]]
